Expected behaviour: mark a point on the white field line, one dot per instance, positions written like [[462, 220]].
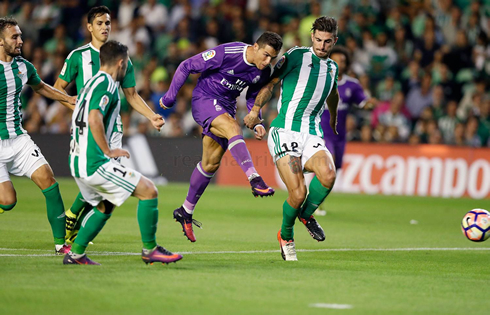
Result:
[[252, 251], [332, 306]]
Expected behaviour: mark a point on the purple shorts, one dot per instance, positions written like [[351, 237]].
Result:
[[337, 148], [205, 110]]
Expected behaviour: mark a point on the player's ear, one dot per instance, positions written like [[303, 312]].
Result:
[[90, 27]]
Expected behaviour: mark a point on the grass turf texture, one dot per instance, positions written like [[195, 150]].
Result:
[[372, 282]]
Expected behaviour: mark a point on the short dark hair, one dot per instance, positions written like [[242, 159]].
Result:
[[7, 21], [325, 24], [270, 38], [111, 52], [96, 11], [344, 51]]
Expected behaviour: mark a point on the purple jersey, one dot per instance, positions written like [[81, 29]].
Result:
[[350, 93], [225, 72]]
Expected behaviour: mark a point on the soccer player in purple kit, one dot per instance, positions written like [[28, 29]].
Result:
[[226, 71], [351, 93]]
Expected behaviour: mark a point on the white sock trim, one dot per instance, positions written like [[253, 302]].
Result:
[[188, 210], [234, 143], [199, 168]]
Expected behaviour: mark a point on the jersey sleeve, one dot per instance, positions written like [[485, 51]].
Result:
[[101, 98], [70, 68], [283, 66], [358, 96], [129, 81], [208, 60], [32, 76]]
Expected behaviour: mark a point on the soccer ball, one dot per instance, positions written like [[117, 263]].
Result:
[[476, 225]]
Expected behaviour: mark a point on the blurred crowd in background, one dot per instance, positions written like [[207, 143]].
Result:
[[427, 62]]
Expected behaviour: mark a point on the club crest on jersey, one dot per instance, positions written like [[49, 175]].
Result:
[[281, 62], [104, 101], [20, 75], [208, 54], [256, 79]]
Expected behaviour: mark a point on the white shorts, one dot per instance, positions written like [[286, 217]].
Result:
[[283, 142], [19, 156], [112, 182]]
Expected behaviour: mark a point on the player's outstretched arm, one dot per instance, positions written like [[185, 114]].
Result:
[[208, 60], [265, 94], [48, 91], [333, 104], [95, 121], [137, 102], [61, 85]]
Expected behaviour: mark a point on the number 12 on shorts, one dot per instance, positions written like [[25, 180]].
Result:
[[294, 146]]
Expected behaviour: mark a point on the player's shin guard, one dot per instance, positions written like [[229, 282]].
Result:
[[240, 153], [148, 220], [199, 181], [56, 212], [289, 215], [91, 226], [316, 195]]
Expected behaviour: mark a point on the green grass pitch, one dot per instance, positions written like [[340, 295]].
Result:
[[372, 262]]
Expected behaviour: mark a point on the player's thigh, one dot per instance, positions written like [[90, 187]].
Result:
[[145, 189], [225, 126], [212, 153], [322, 164]]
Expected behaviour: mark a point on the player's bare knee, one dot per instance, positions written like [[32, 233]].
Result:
[[210, 167], [327, 179], [297, 196], [150, 190]]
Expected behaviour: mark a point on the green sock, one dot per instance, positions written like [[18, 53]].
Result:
[[289, 215], [56, 212], [82, 216], [78, 204], [316, 195], [8, 207], [148, 220], [93, 223]]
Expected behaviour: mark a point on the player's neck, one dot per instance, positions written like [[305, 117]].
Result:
[[96, 43], [112, 71], [5, 57], [250, 54]]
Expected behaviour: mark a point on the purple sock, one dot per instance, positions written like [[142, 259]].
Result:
[[240, 153], [198, 183]]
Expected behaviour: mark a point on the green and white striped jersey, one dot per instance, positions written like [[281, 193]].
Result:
[[100, 93], [306, 83], [14, 76], [83, 63]]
